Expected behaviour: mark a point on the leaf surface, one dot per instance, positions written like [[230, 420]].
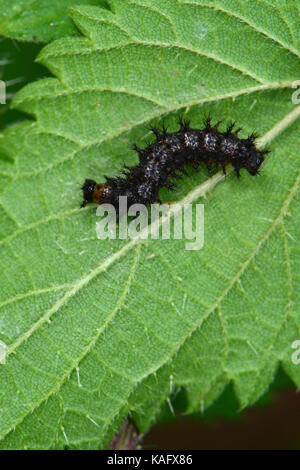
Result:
[[97, 329]]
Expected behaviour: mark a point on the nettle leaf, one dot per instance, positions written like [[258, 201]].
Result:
[[99, 329], [39, 20]]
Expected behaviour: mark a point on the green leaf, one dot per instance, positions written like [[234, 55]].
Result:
[[39, 20], [99, 329]]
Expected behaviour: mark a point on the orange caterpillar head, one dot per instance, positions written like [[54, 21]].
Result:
[[95, 192]]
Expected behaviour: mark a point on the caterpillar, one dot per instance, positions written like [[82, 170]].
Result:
[[165, 158]]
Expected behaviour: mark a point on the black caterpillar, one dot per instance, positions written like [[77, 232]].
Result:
[[163, 159]]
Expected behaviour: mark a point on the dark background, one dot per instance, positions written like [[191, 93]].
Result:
[[274, 422]]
